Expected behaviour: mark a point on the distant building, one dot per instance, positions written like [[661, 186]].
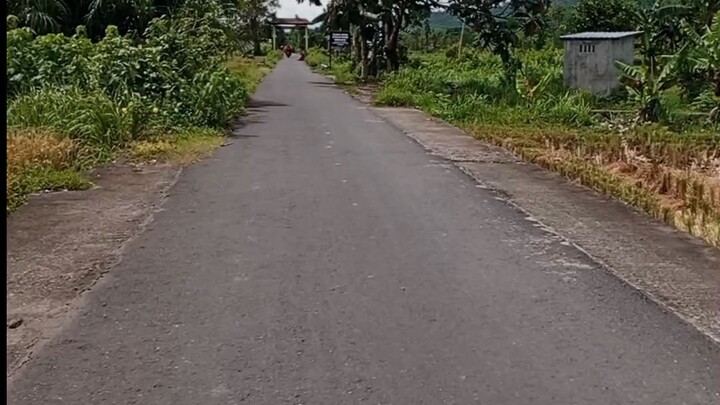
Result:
[[590, 59]]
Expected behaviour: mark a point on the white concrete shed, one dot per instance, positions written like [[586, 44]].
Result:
[[590, 59]]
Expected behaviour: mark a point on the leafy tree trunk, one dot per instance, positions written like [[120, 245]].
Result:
[[356, 51], [364, 63], [393, 24], [254, 29]]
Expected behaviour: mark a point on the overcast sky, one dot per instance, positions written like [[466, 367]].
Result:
[[289, 8]]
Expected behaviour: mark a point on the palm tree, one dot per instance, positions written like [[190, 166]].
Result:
[[41, 16]]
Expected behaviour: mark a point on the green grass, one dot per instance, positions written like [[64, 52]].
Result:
[[35, 179], [183, 148], [90, 117], [340, 70], [252, 70]]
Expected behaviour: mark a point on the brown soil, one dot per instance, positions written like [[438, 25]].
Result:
[[60, 244]]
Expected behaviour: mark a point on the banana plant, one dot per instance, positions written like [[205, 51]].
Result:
[[704, 56], [645, 85], [528, 90]]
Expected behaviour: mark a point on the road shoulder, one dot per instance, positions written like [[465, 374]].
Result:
[[60, 244], [675, 270]]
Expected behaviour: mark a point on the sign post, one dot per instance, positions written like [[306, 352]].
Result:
[[338, 40]]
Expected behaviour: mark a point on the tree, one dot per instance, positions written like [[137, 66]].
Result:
[[351, 14], [661, 26], [394, 15], [606, 15], [254, 15], [127, 15], [500, 23], [41, 16], [63, 16], [560, 21]]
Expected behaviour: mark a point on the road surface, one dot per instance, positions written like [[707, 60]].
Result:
[[325, 258]]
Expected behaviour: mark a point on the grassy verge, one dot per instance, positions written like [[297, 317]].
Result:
[[672, 181], [340, 71], [188, 145], [669, 170], [43, 154], [182, 148], [252, 70], [40, 160]]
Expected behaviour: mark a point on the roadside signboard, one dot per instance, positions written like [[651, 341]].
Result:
[[339, 40]]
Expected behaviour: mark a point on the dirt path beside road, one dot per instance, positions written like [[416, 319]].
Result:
[[59, 245]]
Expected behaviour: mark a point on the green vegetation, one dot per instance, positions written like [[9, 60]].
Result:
[[340, 70], [39, 159], [654, 144], [183, 147], [77, 101], [252, 70], [605, 15]]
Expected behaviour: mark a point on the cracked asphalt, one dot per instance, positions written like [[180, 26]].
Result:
[[325, 258]]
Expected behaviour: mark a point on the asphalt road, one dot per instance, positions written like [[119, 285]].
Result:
[[325, 258]]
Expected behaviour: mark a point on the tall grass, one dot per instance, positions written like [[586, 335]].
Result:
[[340, 68], [474, 87], [90, 117]]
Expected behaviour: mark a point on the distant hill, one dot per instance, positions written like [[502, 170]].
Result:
[[442, 21]]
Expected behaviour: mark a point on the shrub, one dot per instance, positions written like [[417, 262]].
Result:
[[273, 57], [211, 98], [316, 57], [48, 60], [105, 95]]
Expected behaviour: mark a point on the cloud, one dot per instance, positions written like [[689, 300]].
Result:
[[290, 8]]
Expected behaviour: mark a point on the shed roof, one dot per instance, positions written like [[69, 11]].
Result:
[[601, 35]]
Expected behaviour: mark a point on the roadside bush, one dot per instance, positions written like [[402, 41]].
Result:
[[100, 97], [315, 57], [341, 69], [176, 71], [48, 60], [91, 118], [273, 57], [211, 98]]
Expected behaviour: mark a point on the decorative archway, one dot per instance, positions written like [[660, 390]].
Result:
[[290, 23]]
